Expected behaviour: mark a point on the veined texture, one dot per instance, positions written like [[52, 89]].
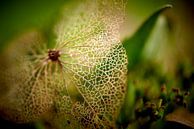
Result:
[[80, 82]]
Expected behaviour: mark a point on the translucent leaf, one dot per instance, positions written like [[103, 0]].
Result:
[[80, 83]]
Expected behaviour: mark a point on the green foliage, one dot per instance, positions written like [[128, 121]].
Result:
[[145, 80], [134, 47], [127, 110], [135, 44]]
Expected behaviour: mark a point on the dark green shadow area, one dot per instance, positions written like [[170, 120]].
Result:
[[17, 16]]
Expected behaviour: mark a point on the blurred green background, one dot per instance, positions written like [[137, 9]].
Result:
[[169, 48], [174, 39], [17, 17]]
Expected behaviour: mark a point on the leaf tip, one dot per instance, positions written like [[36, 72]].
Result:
[[168, 6]]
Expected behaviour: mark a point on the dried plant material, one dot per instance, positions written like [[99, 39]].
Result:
[[80, 82], [24, 71], [182, 116]]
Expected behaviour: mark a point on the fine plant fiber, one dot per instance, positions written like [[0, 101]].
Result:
[[80, 82]]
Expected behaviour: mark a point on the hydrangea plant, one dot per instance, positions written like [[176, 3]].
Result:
[[80, 81], [78, 76]]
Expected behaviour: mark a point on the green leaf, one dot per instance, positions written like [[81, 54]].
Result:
[[39, 125], [134, 47], [127, 109], [135, 44]]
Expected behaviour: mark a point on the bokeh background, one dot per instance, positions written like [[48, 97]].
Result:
[[170, 45], [17, 17]]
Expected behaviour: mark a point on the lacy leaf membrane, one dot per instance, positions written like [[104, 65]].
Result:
[[79, 83]]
